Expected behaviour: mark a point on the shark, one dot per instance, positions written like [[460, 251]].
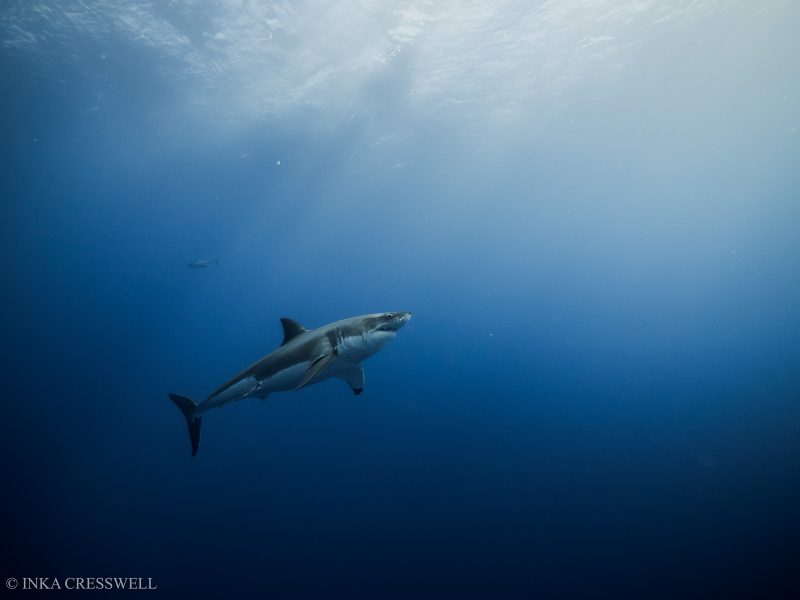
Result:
[[203, 263], [305, 357]]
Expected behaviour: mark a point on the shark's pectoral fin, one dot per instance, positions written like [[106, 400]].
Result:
[[316, 368], [354, 376]]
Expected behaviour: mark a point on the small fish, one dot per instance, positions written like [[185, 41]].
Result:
[[203, 263]]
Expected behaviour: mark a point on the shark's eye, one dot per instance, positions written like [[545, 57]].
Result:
[[388, 316]]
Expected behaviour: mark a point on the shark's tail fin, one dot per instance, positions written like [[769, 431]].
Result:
[[187, 407]]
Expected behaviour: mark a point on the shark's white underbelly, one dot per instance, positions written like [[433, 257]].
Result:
[[284, 380], [251, 387], [239, 389], [356, 348]]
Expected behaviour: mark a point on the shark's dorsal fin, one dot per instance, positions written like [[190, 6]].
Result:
[[291, 329]]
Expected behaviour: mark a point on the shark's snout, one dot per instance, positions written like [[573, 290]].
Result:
[[394, 321]]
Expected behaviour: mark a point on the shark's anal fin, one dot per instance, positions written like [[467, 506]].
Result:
[[354, 376], [291, 329], [316, 368]]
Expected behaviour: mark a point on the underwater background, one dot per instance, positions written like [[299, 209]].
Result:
[[592, 208]]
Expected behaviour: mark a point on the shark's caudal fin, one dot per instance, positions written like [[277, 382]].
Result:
[[187, 407]]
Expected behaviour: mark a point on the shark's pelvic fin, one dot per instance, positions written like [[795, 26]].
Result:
[[291, 329], [316, 368], [187, 407]]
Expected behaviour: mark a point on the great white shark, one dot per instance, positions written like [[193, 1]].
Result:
[[304, 358]]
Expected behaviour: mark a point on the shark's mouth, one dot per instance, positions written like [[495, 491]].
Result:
[[393, 322]]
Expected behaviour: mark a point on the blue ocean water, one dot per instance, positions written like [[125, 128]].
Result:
[[591, 208]]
